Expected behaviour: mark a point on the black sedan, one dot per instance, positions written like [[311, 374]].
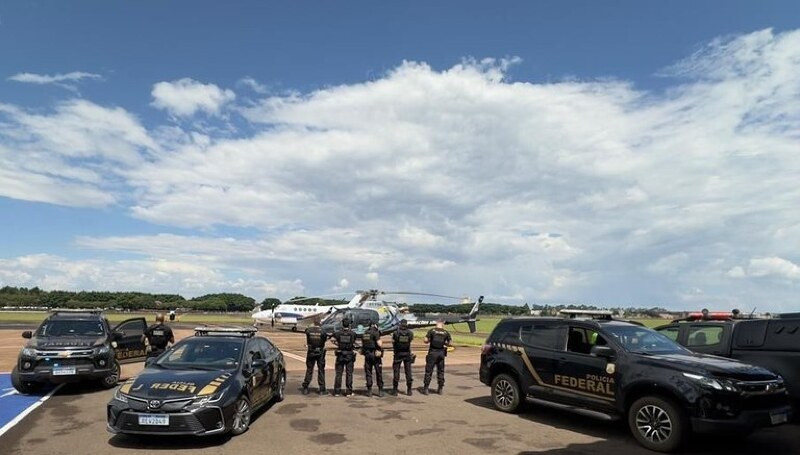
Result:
[[210, 383]]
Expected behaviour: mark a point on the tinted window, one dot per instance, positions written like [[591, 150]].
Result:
[[704, 335], [644, 340], [751, 334], [265, 345], [540, 335], [581, 340], [204, 353], [67, 327], [132, 328], [670, 332]]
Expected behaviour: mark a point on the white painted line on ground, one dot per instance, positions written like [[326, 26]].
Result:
[[8, 394], [294, 356], [27, 411]]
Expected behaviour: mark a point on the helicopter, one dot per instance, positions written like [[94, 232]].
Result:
[[370, 309]]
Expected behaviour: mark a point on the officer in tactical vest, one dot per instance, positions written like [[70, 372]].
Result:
[[344, 340], [315, 342], [372, 349], [158, 336], [401, 342], [438, 339]]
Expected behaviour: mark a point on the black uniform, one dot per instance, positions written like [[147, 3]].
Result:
[[345, 359], [401, 342], [373, 357], [315, 340], [439, 339], [158, 336]]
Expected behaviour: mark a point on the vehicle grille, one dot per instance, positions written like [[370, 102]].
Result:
[[178, 423], [762, 402], [761, 387], [67, 362]]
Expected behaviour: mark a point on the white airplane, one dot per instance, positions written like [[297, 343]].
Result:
[[288, 314]]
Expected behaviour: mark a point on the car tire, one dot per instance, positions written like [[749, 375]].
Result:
[[23, 387], [658, 423], [281, 393], [506, 393], [112, 379], [242, 413]]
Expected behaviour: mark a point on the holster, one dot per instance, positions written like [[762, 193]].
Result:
[[413, 358]]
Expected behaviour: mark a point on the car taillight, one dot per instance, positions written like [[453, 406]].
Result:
[[487, 348]]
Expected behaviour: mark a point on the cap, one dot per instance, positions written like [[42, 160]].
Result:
[[403, 323]]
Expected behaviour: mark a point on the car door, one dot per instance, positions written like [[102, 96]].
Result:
[[540, 341], [257, 379], [580, 376], [708, 338], [271, 371], [129, 339]]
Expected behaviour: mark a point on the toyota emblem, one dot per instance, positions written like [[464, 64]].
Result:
[[154, 404]]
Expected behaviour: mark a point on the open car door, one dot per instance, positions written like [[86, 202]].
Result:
[[130, 344]]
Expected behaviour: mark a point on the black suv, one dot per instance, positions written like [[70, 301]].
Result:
[[628, 371], [769, 343], [72, 346]]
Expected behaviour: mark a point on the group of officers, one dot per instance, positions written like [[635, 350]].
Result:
[[438, 340], [159, 336]]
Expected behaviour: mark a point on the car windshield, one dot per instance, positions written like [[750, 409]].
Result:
[[203, 353], [64, 328], [642, 340]]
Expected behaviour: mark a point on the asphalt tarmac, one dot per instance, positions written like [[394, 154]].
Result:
[[461, 421]]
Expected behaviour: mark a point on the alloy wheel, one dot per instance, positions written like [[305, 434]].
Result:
[[654, 423], [241, 417], [504, 394]]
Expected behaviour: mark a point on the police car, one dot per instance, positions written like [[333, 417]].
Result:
[[210, 383], [75, 346], [624, 370]]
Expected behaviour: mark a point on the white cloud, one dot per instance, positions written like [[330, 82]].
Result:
[[185, 97], [70, 156], [66, 80], [463, 181], [770, 267], [150, 275]]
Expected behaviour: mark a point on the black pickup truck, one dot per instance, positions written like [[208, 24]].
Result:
[[771, 343]]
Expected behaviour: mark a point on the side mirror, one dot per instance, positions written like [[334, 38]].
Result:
[[149, 361], [27, 334], [258, 364], [604, 352]]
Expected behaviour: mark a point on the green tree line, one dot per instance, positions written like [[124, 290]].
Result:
[[35, 297]]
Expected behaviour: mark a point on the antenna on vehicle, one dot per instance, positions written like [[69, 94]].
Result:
[[753, 312]]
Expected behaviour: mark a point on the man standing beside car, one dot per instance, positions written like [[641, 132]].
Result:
[[158, 336]]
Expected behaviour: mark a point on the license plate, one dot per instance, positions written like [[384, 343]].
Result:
[[63, 371], [159, 420], [779, 418]]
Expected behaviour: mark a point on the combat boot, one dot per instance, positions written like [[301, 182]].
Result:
[[440, 390], [380, 392], [410, 391], [322, 391], [394, 391], [336, 392], [369, 391], [425, 390], [305, 390]]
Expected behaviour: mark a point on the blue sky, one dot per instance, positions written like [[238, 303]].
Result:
[[602, 152]]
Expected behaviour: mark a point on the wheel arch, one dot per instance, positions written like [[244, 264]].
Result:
[[643, 389]]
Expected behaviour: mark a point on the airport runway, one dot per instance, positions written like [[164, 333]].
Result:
[[462, 421]]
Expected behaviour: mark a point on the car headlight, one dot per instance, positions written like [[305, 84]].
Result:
[[102, 350], [119, 396], [209, 399], [716, 384], [28, 352]]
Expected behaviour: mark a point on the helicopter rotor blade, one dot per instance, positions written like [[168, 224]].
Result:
[[317, 297], [421, 293]]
